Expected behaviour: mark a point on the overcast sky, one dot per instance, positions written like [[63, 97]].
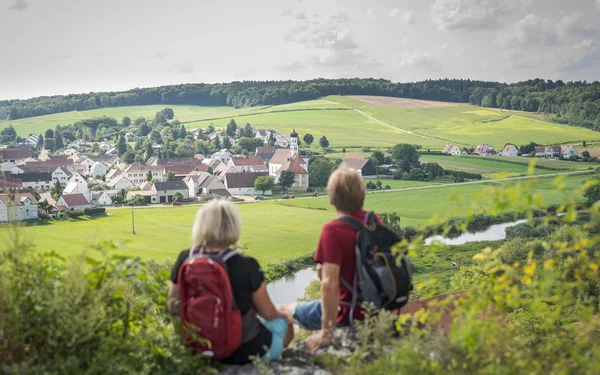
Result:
[[72, 46]]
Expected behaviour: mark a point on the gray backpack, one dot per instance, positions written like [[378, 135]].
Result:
[[381, 278]]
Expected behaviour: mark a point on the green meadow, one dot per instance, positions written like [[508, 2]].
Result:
[[494, 167], [273, 231], [470, 125], [335, 118]]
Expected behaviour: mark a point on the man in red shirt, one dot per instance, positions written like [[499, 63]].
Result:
[[336, 260]]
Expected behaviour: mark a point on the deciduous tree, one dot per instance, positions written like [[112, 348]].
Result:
[[324, 142], [264, 183], [308, 139], [319, 172], [286, 180]]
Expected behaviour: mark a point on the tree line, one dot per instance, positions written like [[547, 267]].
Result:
[[242, 94], [575, 103]]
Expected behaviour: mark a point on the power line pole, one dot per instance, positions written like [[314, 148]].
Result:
[[132, 220]]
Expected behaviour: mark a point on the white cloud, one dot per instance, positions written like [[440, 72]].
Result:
[[409, 17], [471, 14], [371, 14], [419, 60], [19, 5], [598, 4], [184, 68], [287, 12], [530, 31], [330, 34]]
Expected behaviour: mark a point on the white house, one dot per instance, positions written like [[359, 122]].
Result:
[[224, 155], [282, 156], [104, 146], [17, 207], [86, 164], [247, 164], [73, 202], [166, 190], [194, 180], [101, 198], [510, 150], [484, 150], [568, 151], [61, 174], [282, 141], [121, 182], [243, 183], [451, 149], [264, 135], [98, 170], [38, 181]]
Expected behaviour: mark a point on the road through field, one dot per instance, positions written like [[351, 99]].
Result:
[[545, 176]]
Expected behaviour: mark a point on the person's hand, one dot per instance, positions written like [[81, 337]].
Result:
[[317, 341]]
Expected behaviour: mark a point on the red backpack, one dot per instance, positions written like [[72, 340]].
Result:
[[213, 324]]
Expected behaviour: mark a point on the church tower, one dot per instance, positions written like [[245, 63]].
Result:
[[294, 142]]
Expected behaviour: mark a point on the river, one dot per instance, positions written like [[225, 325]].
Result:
[[291, 287]]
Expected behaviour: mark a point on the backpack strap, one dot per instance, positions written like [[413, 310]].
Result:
[[351, 221]]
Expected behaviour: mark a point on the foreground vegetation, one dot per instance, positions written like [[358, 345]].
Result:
[[530, 307]]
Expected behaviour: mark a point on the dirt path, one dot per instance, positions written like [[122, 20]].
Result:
[[396, 128]]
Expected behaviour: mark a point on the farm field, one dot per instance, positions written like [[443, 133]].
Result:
[[164, 232], [432, 124], [342, 127], [471, 125], [502, 166]]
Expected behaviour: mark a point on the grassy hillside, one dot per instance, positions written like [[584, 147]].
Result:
[[164, 232], [391, 123], [471, 125], [502, 166]]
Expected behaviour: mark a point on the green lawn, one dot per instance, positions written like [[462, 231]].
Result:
[[471, 125], [273, 231]]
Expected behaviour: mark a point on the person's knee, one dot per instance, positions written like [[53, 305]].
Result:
[[287, 309]]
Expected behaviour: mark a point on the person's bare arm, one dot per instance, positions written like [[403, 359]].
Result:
[[174, 302], [330, 290], [263, 304]]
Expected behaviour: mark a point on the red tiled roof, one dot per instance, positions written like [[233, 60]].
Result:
[[11, 183], [184, 170], [75, 199], [137, 168], [15, 153], [246, 161], [221, 192], [266, 150], [178, 162], [354, 162], [281, 156]]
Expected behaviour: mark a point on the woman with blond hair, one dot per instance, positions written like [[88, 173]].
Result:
[[223, 294]]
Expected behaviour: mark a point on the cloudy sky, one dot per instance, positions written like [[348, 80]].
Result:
[[71, 46]]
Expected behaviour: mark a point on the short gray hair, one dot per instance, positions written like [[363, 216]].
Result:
[[217, 225]]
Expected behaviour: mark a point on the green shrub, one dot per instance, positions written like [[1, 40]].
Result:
[[86, 316]]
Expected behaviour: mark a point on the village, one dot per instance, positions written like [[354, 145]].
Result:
[[76, 180]]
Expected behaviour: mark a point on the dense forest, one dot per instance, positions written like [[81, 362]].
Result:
[[575, 103]]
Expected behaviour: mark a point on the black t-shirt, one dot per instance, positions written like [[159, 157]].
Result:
[[245, 277]]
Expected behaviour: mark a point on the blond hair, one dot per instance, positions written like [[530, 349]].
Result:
[[346, 190], [217, 225]]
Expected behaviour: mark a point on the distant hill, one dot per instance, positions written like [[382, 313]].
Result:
[[574, 103]]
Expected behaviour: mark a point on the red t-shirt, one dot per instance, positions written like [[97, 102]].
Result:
[[336, 245]]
